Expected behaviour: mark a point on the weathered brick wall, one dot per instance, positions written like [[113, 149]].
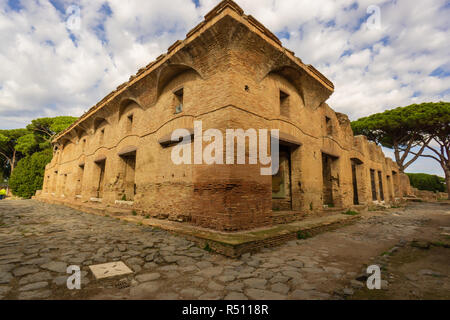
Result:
[[232, 72]]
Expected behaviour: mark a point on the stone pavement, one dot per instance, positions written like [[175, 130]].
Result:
[[38, 241]]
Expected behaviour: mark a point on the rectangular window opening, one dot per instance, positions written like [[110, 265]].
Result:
[[179, 100], [102, 135], [130, 123], [329, 126], [284, 104]]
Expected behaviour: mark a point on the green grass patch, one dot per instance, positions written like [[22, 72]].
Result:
[[134, 213], [207, 247], [302, 235], [440, 244], [351, 213]]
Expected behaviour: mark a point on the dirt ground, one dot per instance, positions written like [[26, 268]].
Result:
[[38, 241]]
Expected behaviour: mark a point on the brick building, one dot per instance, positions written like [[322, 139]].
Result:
[[229, 72]]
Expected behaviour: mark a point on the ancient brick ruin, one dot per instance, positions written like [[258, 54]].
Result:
[[229, 72]]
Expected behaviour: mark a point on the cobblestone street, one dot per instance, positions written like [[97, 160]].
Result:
[[38, 241]]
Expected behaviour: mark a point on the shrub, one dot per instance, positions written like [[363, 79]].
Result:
[[423, 181], [350, 213], [28, 175], [301, 235]]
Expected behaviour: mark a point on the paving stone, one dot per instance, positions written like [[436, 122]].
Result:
[[150, 257], [145, 289], [226, 279], [149, 265], [258, 294], [37, 277], [172, 274], [204, 265], [6, 267], [266, 274], [427, 272], [169, 268], [191, 293], [279, 278], [333, 270], [189, 269], [168, 296], [4, 290], [197, 279], [297, 264], [348, 291], [55, 266], [235, 296], [280, 288], [211, 296], [211, 272], [292, 274], [301, 295], [34, 286], [255, 283], [245, 275], [303, 285], [357, 284], [312, 270], [21, 271], [36, 261], [214, 286], [135, 261], [236, 286], [5, 277], [34, 295], [136, 268]]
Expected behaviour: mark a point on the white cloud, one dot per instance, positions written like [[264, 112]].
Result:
[[43, 72]]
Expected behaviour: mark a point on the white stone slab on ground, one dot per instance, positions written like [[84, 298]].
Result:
[[110, 269]]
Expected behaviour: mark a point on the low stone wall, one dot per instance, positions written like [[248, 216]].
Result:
[[431, 196]]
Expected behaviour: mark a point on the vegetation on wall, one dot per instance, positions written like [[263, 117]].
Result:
[[423, 181], [411, 130], [28, 175], [25, 152]]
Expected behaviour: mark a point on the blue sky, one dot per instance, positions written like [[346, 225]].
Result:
[[56, 60]]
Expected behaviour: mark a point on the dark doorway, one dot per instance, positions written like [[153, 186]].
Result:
[[389, 187], [129, 179], [281, 182], [327, 163], [80, 180], [373, 185], [101, 178], [355, 183], [395, 184], [380, 181]]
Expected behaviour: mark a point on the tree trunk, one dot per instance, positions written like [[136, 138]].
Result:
[[13, 162], [447, 181]]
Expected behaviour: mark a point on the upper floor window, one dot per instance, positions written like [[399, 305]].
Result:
[[329, 126], [284, 104], [178, 101], [83, 145], [129, 127], [102, 135]]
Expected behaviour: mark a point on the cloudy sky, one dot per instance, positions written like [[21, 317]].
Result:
[[60, 57]]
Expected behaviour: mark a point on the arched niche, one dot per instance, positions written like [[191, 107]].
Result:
[[291, 75], [80, 132], [128, 104], [169, 72], [100, 122]]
